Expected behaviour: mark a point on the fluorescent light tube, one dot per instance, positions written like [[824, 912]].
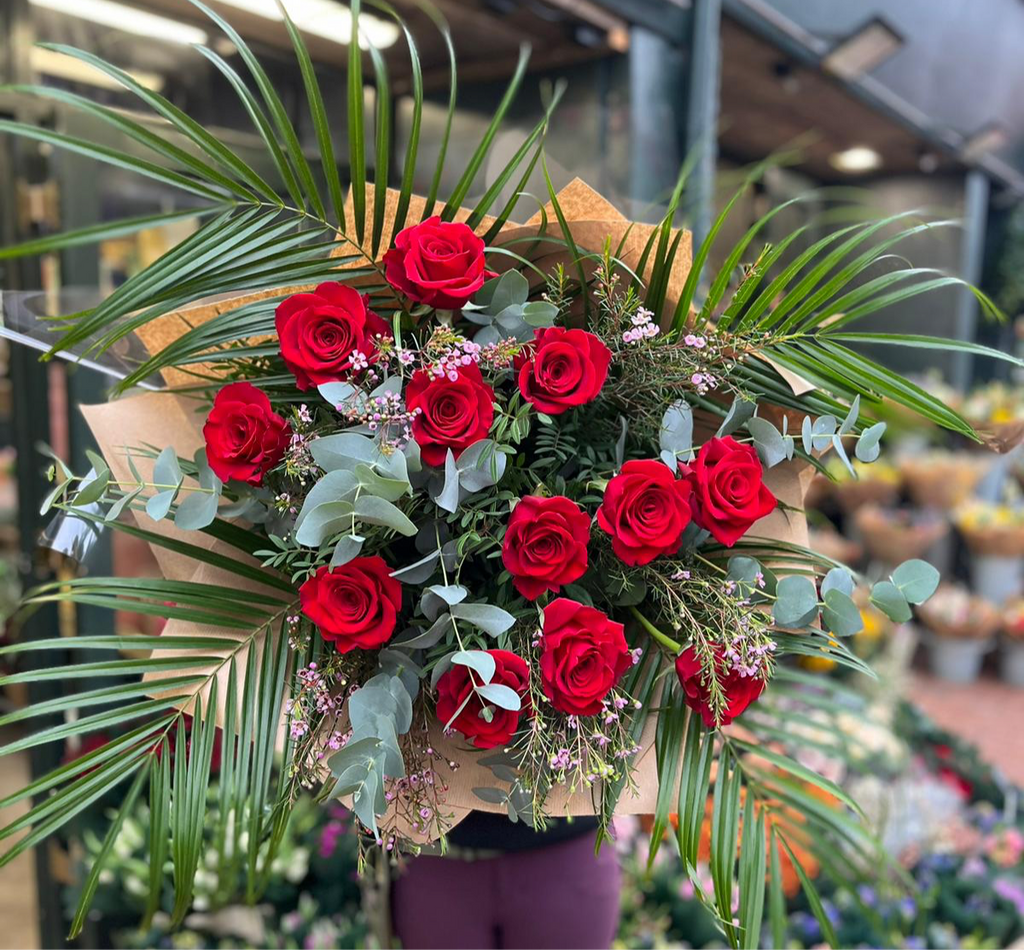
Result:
[[51, 63], [130, 19], [324, 18], [857, 159]]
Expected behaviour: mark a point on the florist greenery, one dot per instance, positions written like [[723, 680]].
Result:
[[952, 824], [500, 517], [963, 851]]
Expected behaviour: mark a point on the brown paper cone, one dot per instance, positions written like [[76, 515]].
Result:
[[942, 482], [995, 541], [161, 419], [984, 620]]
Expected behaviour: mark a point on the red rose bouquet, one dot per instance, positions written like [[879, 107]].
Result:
[[450, 537]]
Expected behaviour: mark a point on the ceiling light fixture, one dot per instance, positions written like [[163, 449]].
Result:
[[855, 160], [324, 18], [869, 46], [130, 19], [49, 62]]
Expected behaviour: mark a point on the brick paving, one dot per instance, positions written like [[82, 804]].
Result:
[[988, 713]]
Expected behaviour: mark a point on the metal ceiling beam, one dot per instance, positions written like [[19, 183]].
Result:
[[764, 20]]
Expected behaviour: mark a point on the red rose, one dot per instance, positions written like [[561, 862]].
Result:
[[740, 691], [356, 605], [321, 332], [584, 654], [545, 544], [455, 686], [453, 413], [245, 438], [962, 786], [645, 510], [728, 492], [563, 368], [437, 262]]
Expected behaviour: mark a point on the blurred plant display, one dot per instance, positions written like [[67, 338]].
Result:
[[952, 824], [312, 898]]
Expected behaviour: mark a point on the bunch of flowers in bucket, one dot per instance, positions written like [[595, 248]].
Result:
[[472, 515]]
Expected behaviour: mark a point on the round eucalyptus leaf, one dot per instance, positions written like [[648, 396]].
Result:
[[837, 579], [479, 660], [889, 599], [916, 579], [196, 510], [796, 601], [840, 614], [502, 696], [494, 796]]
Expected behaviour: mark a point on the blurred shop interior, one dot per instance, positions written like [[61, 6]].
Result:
[[897, 106]]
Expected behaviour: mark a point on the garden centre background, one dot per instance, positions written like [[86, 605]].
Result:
[[898, 105]]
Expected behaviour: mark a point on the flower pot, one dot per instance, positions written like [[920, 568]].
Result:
[[1011, 662], [940, 554], [955, 659], [997, 578]]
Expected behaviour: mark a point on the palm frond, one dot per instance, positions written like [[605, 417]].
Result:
[[254, 237], [464, 183], [668, 747], [232, 625], [798, 318], [318, 112], [694, 783]]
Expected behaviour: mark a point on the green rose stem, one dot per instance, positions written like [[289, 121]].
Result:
[[711, 564], [666, 641]]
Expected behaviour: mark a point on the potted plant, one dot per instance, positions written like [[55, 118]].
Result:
[[960, 630], [895, 534], [941, 480], [877, 483], [994, 532], [997, 412]]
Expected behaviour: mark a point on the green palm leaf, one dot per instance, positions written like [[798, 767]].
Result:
[[458, 195], [356, 127], [292, 148], [100, 862], [181, 122], [319, 115]]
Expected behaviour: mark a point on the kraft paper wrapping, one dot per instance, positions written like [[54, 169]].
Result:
[[163, 419]]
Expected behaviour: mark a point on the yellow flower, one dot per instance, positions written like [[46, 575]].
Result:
[[819, 664], [874, 624]]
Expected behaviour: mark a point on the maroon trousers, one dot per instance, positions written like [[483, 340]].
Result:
[[559, 896]]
